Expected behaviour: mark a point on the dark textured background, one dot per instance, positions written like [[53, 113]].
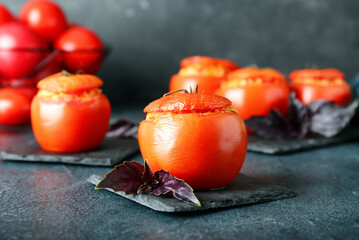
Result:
[[148, 38]]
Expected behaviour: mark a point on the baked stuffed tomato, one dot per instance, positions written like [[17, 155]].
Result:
[[320, 84], [196, 137], [206, 72], [69, 113], [254, 92]]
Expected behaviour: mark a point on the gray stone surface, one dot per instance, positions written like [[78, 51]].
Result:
[[55, 201], [243, 190], [279, 146], [19, 144], [111, 152]]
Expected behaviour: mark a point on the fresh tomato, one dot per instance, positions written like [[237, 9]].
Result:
[[206, 72], [81, 49], [29, 92], [196, 137], [20, 50], [320, 84], [69, 113], [44, 17], [51, 67], [254, 92], [5, 15], [14, 106]]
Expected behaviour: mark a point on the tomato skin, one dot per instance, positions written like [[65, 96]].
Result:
[[206, 150], [258, 100], [29, 92], [5, 15], [267, 75], [81, 49], [204, 60], [307, 93], [14, 107], [252, 98], [188, 103], [320, 84], [20, 50], [328, 73], [50, 68], [206, 72], [74, 126], [207, 84], [44, 17]]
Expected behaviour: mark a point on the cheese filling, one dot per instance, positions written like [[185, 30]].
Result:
[[337, 81], [153, 115], [62, 96], [199, 70]]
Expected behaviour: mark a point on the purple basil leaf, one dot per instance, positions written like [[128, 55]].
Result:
[[328, 119], [126, 177], [299, 118], [122, 129], [147, 174], [149, 180], [179, 189], [272, 126], [134, 178]]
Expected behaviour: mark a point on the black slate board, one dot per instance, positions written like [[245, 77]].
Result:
[[279, 146], [243, 190], [111, 152]]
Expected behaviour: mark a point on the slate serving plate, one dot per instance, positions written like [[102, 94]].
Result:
[[243, 190], [111, 152], [280, 146]]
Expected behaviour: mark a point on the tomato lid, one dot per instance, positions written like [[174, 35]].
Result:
[[204, 60], [328, 73], [188, 103], [263, 73], [69, 83]]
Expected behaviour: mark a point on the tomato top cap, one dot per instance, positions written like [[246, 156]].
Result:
[[208, 61], [328, 73], [263, 73], [188, 103], [69, 83]]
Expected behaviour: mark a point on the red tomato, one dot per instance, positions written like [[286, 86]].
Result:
[[20, 50], [196, 137], [5, 15], [254, 92], [14, 107], [53, 66], [207, 84], [69, 113], [206, 72], [44, 17], [203, 60], [81, 49], [29, 92], [320, 84]]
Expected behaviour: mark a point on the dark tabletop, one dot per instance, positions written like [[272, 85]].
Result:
[[54, 201]]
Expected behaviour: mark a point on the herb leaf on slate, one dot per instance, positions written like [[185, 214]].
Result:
[[179, 189], [122, 129], [320, 117], [298, 121], [328, 118], [273, 126], [126, 177], [134, 178]]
